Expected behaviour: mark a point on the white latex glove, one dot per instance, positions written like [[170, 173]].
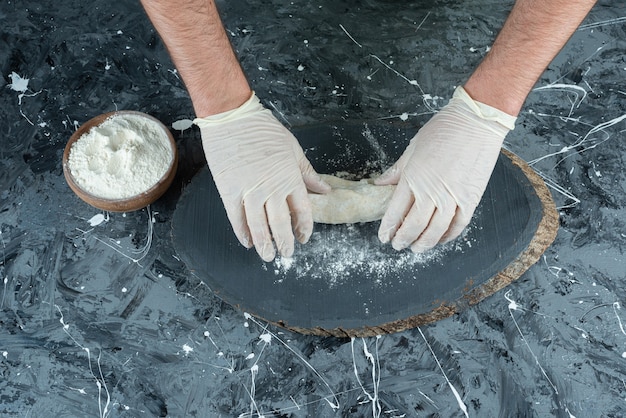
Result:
[[443, 173], [262, 176]]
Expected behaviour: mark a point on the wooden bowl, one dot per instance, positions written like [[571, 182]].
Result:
[[126, 204]]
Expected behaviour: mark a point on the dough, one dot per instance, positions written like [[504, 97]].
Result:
[[350, 201]]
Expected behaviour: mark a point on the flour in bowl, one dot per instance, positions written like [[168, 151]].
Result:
[[122, 157]]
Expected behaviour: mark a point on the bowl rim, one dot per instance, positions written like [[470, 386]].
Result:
[[126, 204]]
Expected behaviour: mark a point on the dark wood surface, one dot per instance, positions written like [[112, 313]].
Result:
[[373, 289]]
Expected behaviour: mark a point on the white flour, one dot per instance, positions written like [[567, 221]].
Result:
[[337, 253], [122, 157]]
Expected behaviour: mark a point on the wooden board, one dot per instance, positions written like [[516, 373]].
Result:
[[344, 282]]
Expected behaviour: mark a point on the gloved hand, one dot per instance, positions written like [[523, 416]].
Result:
[[443, 173], [262, 176]]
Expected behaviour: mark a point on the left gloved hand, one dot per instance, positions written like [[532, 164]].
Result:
[[262, 176], [443, 173]]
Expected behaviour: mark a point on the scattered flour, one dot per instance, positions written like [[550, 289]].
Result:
[[122, 157], [337, 254]]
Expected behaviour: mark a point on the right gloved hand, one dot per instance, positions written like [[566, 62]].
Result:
[[443, 174], [262, 176]]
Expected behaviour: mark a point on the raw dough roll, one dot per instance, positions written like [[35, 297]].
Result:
[[350, 201]]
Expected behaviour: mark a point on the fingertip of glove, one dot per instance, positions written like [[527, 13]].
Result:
[[384, 235], [245, 241], [267, 255], [399, 245], [302, 238], [286, 252], [418, 248], [451, 235]]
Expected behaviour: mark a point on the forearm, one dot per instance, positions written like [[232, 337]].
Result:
[[199, 47], [533, 34]]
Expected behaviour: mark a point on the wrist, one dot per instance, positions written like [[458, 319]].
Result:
[[251, 106], [484, 111], [489, 91], [208, 100]]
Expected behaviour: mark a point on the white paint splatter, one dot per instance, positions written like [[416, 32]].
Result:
[[187, 349], [18, 83], [616, 307], [100, 380], [254, 409], [98, 219], [300, 67], [295, 403], [513, 306], [411, 82], [350, 36], [369, 77], [140, 253], [543, 371], [459, 400], [182, 124], [375, 374], [584, 143], [334, 404], [82, 391]]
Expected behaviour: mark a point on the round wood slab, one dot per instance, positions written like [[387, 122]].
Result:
[[344, 282]]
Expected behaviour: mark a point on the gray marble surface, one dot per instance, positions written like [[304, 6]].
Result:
[[103, 319]]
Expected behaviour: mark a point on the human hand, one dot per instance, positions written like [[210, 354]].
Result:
[[262, 176], [443, 173]]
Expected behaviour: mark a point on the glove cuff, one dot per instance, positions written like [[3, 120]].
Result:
[[484, 111], [252, 105]]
